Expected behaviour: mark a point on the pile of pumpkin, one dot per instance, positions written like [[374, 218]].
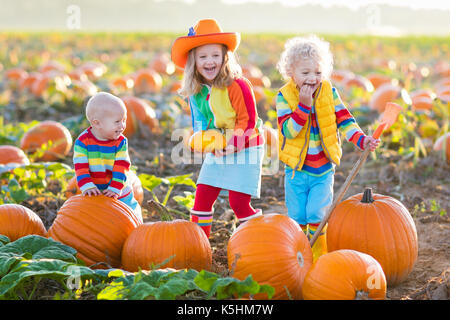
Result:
[[372, 242]]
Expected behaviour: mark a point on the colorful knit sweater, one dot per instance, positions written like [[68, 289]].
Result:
[[101, 164], [291, 123], [232, 108]]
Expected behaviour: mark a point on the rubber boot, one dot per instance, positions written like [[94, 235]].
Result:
[[203, 219], [320, 245]]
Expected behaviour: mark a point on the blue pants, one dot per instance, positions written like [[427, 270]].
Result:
[[130, 201], [307, 197]]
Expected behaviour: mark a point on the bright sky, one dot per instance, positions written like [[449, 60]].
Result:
[[353, 4]]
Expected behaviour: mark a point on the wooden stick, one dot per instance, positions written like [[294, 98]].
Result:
[[341, 193]]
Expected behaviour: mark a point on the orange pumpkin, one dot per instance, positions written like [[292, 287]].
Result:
[[51, 66], [443, 142], [17, 221], [147, 81], [95, 226], [340, 76], [93, 69], [27, 82], [16, 74], [359, 82], [255, 76], [138, 192], [139, 112], [378, 79], [207, 141], [184, 242], [274, 250], [12, 154], [45, 132], [422, 103], [123, 83], [382, 95], [345, 275], [163, 64], [378, 225]]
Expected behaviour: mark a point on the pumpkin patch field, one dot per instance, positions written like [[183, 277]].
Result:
[[389, 238]]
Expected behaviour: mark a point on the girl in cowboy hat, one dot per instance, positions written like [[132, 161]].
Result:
[[220, 98]]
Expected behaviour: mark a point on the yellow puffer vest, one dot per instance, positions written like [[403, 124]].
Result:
[[293, 151]]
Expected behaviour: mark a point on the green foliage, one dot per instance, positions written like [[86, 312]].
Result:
[[11, 133], [32, 180], [31, 259]]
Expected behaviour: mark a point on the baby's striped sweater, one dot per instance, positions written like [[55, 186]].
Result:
[[292, 122], [101, 164]]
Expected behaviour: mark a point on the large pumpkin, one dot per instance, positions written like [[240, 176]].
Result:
[[378, 225], [274, 250], [12, 154], [345, 275], [207, 141], [45, 132], [182, 242], [95, 226], [17, 221]]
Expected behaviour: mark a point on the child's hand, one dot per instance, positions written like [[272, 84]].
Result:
[[371, 142], [228, 150], [110, 194], [305, 94], [92, 192]]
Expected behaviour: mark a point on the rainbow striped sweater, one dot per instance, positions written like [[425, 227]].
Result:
[[291, 123], [101, 164]]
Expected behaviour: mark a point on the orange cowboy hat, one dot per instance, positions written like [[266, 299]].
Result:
[[205, 31]]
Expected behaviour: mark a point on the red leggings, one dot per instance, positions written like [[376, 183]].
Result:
[[206, 195]]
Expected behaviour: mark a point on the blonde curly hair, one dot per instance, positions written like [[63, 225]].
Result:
[[310, 47]]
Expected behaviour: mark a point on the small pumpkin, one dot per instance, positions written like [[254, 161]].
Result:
[[378, 79], [139, 114], [359, 82], [163, 64], [207, 141], [345, 275], [12, 154], [274, 250], [96, 227], [378, 225], [45, 132], [147, 81], [17, 221], [382, 95], [181, 241]]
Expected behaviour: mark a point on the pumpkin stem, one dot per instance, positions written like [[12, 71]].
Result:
[[367, 196], [160, 209]]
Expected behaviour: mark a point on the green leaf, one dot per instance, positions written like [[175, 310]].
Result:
[[18, 194], [182, 179], [187, 201], [38, 247], [149, 182], [228, 287], [3, 240]]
